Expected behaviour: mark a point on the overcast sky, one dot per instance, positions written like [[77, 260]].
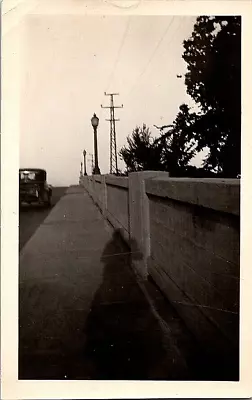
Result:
[[68, 61]]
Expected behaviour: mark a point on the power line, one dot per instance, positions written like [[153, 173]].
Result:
[[11, 9], [118, 53], [168, 44], [152, 55], [113, 146], [170, 41], [159, 43]]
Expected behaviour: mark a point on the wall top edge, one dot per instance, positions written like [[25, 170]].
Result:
[[230, 181], [218, 194], [119, 181]]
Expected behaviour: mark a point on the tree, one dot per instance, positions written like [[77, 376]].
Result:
[[141, 152], [172, 151], [213, 80], [178, 143]]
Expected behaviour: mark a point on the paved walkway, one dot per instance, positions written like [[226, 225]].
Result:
[[82, 313]]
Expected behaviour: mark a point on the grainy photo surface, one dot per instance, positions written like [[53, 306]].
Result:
[[129, 197]]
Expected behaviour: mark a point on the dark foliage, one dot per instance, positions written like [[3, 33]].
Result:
[[141, 152], [213, 80], [178, 144]]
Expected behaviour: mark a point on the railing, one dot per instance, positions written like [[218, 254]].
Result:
[[188, 233]]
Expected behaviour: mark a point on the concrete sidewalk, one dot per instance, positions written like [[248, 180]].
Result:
[[83, 315]]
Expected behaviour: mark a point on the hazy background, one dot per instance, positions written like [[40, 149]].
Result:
[[68, 61]]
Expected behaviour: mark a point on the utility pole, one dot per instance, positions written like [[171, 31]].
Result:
[[113, 148]]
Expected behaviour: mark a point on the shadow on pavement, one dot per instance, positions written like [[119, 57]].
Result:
[[124, 340]]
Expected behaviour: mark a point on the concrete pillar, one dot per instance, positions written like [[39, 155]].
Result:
[[139, 219]]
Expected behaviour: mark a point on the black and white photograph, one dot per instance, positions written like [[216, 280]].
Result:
[[129, 192]]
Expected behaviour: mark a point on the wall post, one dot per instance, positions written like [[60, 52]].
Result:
[[139, 218]]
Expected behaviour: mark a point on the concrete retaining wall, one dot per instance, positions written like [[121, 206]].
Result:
[[195, 246], [187, 232], [117, 211]]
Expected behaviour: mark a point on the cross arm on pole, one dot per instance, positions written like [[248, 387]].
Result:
[[112, 120], [111, 94], [113, 106]]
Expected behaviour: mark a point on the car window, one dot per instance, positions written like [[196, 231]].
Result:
[[28, 176]]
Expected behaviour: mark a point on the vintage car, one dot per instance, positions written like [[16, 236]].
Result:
[[33, 187]]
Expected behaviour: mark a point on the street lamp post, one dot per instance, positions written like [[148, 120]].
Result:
[[95, 123], [85, 166]]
